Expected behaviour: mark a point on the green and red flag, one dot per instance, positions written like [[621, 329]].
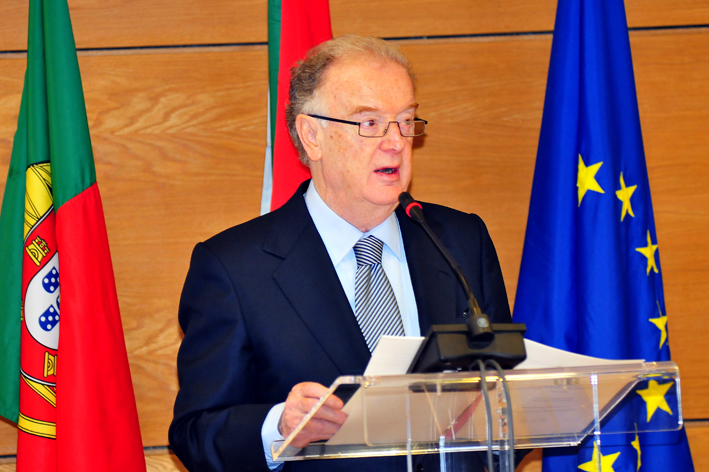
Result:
[[64, 375], [294, 26]]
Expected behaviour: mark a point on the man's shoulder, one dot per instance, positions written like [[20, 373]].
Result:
[[446, 216], [250, 231], [273, 229]]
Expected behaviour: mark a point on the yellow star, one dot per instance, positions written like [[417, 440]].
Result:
[[586, 179], [624, 195], [661, 324], [606, 461], [636, 445], [649, 252], [654, 396]]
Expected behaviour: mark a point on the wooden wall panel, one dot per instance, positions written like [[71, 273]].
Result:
[[698, 436], [479, 156], [484, 100], [11, 76], [179, 145], [532, 462], [178, 141], [649, 13], [125, 23], [416, 18], [8, 439], [161, 460], [672, 70], [179, 137]]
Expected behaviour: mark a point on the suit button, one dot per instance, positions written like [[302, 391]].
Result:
[[419, 468]]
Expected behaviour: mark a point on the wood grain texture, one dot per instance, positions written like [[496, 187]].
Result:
[[416, 18], [8, 440], [653, 13], [484, 102], [179, 139], [178, 142], [483, 99], [125, 23], [11, 76], [698, 436], [161, 460], [671, 72], [532, 462], [697, 433]]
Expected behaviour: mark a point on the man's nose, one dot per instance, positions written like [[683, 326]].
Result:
[[392, 136]]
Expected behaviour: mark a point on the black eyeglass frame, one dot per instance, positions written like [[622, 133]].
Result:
[[358, 123]]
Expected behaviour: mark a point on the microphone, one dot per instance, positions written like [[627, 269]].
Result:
[[455, 347], [459, 346], [479, 322], [413, 208]]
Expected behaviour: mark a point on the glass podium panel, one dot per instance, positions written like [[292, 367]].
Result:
[[434, 413]]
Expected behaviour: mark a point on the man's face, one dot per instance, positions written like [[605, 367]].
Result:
[[358, 176]]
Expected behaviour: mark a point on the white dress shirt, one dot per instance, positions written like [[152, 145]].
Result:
[[339, 237]]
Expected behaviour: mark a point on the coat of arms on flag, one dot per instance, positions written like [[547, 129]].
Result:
[[59, 315], [40, 307]]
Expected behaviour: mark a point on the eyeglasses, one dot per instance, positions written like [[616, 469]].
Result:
[[377, 129]]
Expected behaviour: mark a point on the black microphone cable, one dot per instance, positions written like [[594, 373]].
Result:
[[479, 322], [480, 327]]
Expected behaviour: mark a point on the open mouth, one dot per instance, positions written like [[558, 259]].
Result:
[[386, 170]]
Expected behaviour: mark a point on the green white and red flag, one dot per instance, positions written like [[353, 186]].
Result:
[[64, 375], [294, 26]]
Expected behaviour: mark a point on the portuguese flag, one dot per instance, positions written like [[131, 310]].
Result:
[[294, 26], [64, 376]]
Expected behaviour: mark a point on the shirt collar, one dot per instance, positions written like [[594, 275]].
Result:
[[340, 236]]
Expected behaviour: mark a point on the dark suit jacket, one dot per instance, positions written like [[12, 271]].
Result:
[[262, 309]]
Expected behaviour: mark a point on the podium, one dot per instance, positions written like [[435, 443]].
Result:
[[446, 413]]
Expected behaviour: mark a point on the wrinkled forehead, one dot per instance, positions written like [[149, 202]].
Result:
[[365, 83]]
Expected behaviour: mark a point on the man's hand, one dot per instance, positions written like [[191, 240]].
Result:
[[323, 425]]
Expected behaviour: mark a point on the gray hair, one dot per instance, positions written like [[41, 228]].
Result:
[[307, 74]]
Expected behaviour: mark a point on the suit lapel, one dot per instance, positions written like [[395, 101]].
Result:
[[435, 285], [309, 281]]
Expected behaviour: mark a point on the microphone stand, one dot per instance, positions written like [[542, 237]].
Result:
[[472, 345], [457, 346]]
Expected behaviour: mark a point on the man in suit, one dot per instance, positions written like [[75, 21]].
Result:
[[272, 309]]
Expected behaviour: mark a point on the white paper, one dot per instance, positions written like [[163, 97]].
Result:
[[394, 355], [540, 356]]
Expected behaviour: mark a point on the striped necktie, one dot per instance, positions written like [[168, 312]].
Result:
[[376, 309]]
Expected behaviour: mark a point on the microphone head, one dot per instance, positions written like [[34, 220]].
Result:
[[406, 199], [408, 204]]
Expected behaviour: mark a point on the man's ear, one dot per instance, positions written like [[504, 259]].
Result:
[[308, 130]]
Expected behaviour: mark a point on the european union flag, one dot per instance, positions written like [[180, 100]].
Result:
[[591, 279]]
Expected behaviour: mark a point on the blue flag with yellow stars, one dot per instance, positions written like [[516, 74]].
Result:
[[591, 279]]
